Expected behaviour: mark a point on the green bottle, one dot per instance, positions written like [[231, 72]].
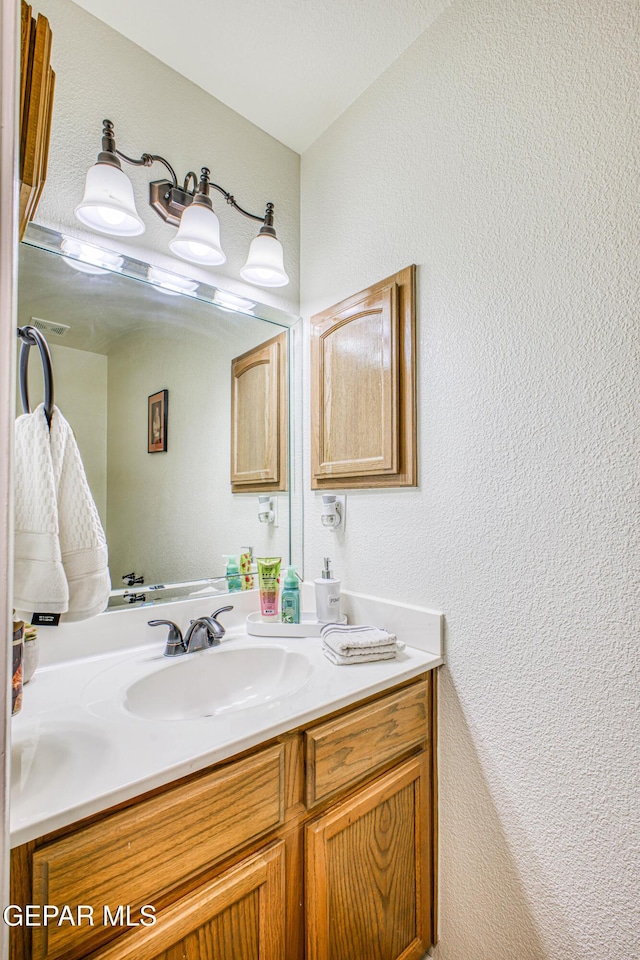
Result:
[[291, 597], [234, 580]]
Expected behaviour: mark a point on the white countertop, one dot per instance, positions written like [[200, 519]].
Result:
[[76, 750]]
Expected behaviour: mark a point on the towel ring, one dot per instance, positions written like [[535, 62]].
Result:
[[31, 337]]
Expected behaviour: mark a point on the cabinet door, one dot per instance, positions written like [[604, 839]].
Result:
[[36, 105], [259, 435], [368, 871], [238, 916], [363, 379], [357, 403]]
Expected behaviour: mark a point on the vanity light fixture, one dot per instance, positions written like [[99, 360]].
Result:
[[170, 283], [89, 259], [108, 206]]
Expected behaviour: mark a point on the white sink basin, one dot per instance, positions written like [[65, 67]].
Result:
[[217, 681]]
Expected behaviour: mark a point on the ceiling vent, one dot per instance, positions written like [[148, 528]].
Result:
[[46, 326]]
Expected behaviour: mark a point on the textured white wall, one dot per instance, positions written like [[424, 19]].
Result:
[[498, 154], [100, 74]]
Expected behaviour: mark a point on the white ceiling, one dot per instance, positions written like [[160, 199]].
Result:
[[290, 66]]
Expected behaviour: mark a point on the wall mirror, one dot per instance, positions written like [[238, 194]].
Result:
[[121, 332]]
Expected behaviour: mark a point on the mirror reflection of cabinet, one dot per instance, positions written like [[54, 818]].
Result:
[[259, 418], [363, 385]]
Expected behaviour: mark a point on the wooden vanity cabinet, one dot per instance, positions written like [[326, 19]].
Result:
[[316, 846], [368, 871]]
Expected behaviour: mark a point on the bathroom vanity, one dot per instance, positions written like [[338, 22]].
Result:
[[299, 827], [317, 837]]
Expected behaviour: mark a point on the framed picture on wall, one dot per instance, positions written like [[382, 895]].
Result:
[[157, 422]]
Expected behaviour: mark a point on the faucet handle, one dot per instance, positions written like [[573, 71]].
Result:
[[214, 616], [175, 644]]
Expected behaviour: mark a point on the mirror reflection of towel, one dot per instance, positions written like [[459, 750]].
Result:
[[61, 560]]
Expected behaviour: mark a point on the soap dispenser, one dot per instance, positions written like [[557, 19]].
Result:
[[327, 595], [291, 598]]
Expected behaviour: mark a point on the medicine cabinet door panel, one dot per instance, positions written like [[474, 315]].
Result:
[[357, 355], [37, 82], [368, 880], [259, 418], [363, 373]]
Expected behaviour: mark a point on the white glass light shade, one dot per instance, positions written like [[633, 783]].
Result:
[[108, 205], [89, 259], [265, 263], [198, 237]]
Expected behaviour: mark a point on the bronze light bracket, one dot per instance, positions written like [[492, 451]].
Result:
[[167, 197]]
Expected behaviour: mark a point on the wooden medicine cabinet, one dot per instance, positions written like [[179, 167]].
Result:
[[37, 81], [259, 415], [363, 388]]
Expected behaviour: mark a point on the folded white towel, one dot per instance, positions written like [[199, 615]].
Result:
[[359, 652], [358, 644], [346, 640], [364, 657], [61, 561]]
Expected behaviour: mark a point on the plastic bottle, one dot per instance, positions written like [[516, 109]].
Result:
[[291, 598], [327, 596], [18, 653], [269, 581], [246, 568], [234, 580]]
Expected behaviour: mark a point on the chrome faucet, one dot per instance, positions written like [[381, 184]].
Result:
[[202, 633]]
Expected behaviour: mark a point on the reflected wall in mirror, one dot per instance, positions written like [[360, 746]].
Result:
[[170, 517]]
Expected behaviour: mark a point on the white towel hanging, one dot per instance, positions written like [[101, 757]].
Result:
[[61, 559]]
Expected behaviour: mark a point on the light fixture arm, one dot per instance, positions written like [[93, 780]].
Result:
[[110, 152], [146, 160], [190, 177], [232, 203]]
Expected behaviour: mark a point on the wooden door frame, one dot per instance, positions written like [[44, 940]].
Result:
[[9, 67]]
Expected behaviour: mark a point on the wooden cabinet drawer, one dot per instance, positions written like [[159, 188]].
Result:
[[343, 751], [239, 914], [139, 852]]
